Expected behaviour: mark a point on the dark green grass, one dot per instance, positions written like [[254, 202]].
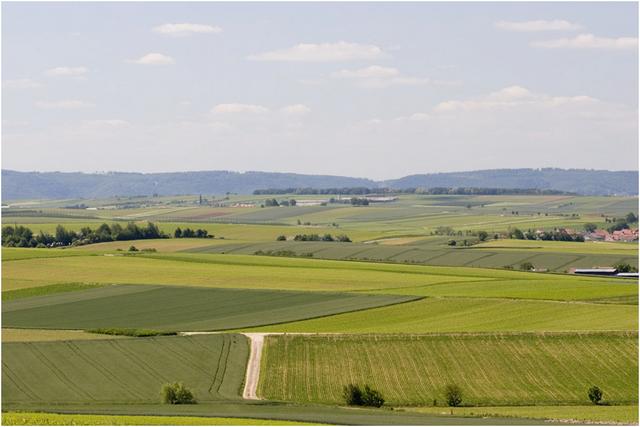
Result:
[[128, 332], [168, 308], [280, 411], [122, 371], [47, 290]]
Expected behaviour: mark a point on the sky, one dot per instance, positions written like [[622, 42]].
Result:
[[376, 90]]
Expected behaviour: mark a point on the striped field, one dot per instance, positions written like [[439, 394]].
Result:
[[491, 369]]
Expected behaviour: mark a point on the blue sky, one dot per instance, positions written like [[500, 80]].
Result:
[[379, 90]]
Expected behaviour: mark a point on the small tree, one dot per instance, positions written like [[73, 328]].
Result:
[[453, 395], [482, 235], [133, 249], [595, 395], [371, 397], [176, 394], [590, 227], [352, 395]]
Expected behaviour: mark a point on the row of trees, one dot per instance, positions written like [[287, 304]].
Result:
[[317, 238], [557, 235], [23, 237], [411, 190], [187, 232], [274, 203]]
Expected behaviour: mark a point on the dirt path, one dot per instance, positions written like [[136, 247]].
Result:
[[253, 366], [252, 376]]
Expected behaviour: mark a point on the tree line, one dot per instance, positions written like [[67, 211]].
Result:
[[471, 191], [22, 237], [316, 238]]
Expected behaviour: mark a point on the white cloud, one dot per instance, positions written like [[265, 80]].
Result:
[[153, 59], [376, 76], [322, 52], [67, 71], [239, 108], [589, 41], [415, 117], [15, 123], [374, 71], [296, 109], [186, 29], [69, 104], [536, 26], [112, 123], [20, 84], [511, 97]]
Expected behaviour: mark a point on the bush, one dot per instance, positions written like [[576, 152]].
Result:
[[453, 395], [356, 396], [352, 395], [595, 395], [371, 397], [281, 238], [526, 266], [133, 249], [176, 394]]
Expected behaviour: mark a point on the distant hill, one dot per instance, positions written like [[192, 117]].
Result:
[[580, 181], [58, 185]]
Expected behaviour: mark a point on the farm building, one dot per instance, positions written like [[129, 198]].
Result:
[[605, 271]]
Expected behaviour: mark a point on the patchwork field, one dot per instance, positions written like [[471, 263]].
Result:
[[491, 369], [397, 308], [180, 308]]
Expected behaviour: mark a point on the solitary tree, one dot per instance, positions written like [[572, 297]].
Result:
[[595, 395], [453, 395], [482, 235]]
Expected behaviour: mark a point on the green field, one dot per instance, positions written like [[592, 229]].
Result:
[[397, 308], [473, 315], [44, 419], [101, 371], [491, 369], [180, 308]]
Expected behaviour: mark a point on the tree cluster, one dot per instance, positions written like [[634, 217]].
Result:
[[317, 238], [354, 395], [187, 232], [176, 394], [23, 237]]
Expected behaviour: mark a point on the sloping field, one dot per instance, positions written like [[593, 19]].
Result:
[[180, 308], [227, 271], [122, 371], [541, 287], [554, 258], [473, 315], [490, 369]]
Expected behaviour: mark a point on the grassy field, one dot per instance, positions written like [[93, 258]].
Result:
[[36, 335], [491, 369], [575, 414], [235, 271], [180, 308], [472, 315], [44, 419], [102, 370]]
